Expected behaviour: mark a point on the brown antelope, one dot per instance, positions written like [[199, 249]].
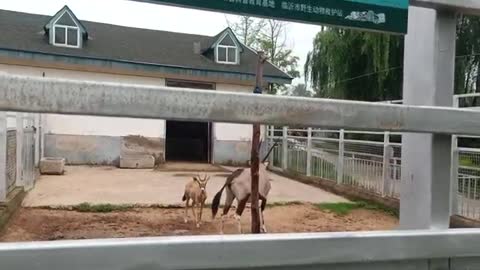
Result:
[[196, 191], [238, 186]]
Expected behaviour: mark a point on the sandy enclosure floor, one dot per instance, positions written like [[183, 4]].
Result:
[[30, 224]]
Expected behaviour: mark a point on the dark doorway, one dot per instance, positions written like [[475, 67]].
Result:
[[188, 141]]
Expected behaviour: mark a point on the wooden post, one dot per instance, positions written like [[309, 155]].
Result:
[[255, 158]]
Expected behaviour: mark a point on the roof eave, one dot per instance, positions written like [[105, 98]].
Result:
[[138, 66]]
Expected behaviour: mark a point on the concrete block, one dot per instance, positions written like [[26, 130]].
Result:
[[137, 162], [52, 166]]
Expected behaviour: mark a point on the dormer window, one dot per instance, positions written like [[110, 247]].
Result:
[[66, 36], [65, 30], [227, 51]]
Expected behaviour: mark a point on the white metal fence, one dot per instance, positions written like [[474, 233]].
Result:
[[368, 160], [18, 142], [466, 162], [385, 250], [347, 157], [372, 160]]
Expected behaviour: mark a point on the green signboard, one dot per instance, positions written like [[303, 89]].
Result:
[[379, 15]]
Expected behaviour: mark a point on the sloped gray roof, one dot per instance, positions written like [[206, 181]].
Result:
[[25, 32]]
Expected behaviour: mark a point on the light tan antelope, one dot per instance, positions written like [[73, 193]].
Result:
[[196, 192]]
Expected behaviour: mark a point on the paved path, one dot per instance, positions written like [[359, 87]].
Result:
[[146, 187]]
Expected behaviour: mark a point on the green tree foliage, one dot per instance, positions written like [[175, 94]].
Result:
[[269, 36], [350, 64], [468, 55]]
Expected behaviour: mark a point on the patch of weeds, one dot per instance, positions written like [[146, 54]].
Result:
[[345, 208], [101, 208], [338, 208], [378, 207]]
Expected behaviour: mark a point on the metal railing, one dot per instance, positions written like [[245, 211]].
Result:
[[330, 155], [17, 139], [378, 250], [373, 164]]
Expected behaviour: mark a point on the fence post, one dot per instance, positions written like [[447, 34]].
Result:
[[454, 176], [271, 142], [341, 156], [387, 153], [3, 157], [309, 152], [285, 149], [36, 140], [19, 132]]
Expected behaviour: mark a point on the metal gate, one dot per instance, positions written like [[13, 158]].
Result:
[[11, 159], [28, 170]]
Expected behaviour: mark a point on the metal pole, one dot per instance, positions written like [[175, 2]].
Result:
[[341, 156], [426, 158], [3, 157], [271, 132], [455, 165], [454, 176], [255, 158], [285, 149], [387, 153], [309, 152], [19, 132]]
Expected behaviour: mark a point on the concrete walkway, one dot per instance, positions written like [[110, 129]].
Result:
[[146, 187]]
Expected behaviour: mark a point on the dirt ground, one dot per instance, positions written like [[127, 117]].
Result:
[[30, 224]]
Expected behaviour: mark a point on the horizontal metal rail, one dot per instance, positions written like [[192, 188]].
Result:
[[45, 95], [469, 150], [241, 252], [465, 6], [467, 95]]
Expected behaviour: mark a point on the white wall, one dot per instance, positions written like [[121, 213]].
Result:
[[234, 132], [90, 125], [103, 126]]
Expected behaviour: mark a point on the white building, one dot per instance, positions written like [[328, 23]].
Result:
[[64, 47]]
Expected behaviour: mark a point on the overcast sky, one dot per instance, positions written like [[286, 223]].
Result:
[[144, 15]]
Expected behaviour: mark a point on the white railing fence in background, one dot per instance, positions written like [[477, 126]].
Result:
[[347, 157], [367, 160], [372, 160]]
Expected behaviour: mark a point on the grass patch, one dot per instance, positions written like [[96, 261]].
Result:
[[101, 208], [345, 208]]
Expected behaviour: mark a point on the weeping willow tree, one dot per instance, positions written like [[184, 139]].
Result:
[[467, 64], [349, 64]]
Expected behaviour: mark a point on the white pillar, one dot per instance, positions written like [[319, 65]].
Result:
[[426, 158], [454, 176], [285, 149], [37, 139], [455, 166], [341, 156], [270, 139], [387, 153], [19, 131], [3, 157], [309, 152]]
